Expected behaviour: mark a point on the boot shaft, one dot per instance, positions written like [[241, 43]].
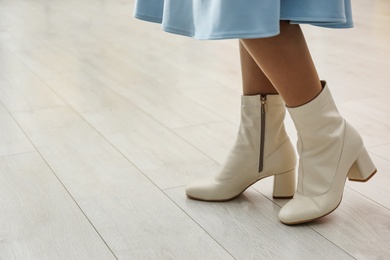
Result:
[[321, 130], [260, 133]]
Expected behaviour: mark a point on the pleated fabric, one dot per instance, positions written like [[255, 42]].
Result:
[[227, 19]]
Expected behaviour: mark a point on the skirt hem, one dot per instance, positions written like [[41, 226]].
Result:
[[148, 18], [241, 35], [330, 23]]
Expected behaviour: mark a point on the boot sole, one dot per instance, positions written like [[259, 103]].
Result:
[[232, 198]]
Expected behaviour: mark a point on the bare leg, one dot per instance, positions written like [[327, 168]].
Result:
[[254, 81], [286, 61]]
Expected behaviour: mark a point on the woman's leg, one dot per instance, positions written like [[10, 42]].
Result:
[[287, 63], [254, 81]]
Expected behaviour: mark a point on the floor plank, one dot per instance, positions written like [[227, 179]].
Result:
[[10, 65], [39, 220], [12, 139], [164, 157], [359, 226], [214, 139], [27, 93], [248, 227], [134, 217]]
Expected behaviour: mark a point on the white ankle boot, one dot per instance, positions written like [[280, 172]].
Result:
[[262, 149], [330, 150]]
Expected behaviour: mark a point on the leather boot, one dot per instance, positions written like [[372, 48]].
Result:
[[329, 150], [262, 149]]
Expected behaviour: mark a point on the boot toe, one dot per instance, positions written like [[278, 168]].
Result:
[[300, 210], [200, 190], [213, 190]]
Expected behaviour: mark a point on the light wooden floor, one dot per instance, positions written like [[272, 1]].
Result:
[[104, 119]]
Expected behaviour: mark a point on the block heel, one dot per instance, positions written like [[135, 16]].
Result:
[[284, 185], [363, 168]]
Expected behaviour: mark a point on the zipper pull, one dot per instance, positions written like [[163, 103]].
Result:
[[263, 103]]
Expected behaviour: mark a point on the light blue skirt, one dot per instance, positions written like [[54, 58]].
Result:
[[227, 19]]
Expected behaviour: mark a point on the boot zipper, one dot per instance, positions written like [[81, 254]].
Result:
[[263, 100]]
